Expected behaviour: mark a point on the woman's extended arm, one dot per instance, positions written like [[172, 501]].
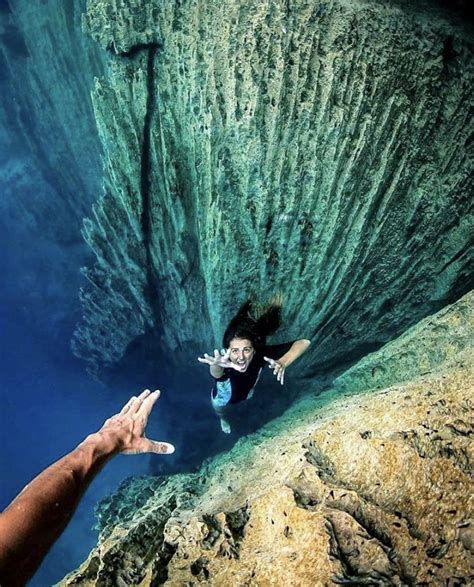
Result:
[[38, 515], [218, 362], [295, 351]]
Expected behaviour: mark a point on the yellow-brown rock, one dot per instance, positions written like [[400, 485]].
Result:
[[349, 487]]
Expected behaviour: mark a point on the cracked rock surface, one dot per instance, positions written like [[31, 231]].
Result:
[[349, 487]]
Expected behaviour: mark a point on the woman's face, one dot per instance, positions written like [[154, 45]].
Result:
[[241, 353]]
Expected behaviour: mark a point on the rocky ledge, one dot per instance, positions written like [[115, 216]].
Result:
[[354, 486]]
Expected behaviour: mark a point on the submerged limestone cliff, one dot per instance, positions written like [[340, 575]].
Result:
[[320, 149], [316, 148], [366, 484]]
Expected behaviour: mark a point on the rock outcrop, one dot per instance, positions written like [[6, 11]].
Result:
[[356, 486], [319, 149]]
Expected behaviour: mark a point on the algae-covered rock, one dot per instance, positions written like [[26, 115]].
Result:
[[316, 148], [348, 487]]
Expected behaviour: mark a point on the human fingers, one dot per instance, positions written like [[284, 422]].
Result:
[[282, 379], [225, 359], [127, 406], [204, 360], [146, 406], [146, 445], [135, 405], [164, 448], [280, 372], [271, 362], [210, 360]]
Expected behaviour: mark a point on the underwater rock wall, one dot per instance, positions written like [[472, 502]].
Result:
[[349, 487], [50, 164], [316, 148]]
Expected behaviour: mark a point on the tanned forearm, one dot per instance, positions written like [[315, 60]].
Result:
[[36, 518], [296, 350], [39, 514]]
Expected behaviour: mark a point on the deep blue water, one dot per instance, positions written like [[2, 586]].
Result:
[[48, 403]]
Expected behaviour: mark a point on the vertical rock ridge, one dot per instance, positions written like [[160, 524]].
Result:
[[319, 150], [145, 181]]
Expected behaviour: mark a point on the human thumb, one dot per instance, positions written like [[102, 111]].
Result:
[[156, 447]]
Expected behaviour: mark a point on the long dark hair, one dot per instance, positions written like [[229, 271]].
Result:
[[254, 322]]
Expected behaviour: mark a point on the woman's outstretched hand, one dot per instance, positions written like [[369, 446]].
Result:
[[278, 369], [220, 359]]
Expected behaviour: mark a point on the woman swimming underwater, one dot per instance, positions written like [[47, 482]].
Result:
[[236, 369]]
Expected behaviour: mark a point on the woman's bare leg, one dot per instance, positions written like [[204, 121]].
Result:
[[221, 414]]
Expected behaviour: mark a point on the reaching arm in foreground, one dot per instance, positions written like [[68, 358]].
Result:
[[296, 350], [38, 515]]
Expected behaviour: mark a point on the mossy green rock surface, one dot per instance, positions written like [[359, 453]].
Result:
[[319, 149]]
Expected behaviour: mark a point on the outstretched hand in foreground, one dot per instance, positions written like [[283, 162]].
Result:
[[127, 427], [37, 516]]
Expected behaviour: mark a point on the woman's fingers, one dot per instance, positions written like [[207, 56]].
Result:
[[207, 359], [211, 359], [225, 358], [218, 358], [272, 364], [281, 375], [278, 369], [204, 360]]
